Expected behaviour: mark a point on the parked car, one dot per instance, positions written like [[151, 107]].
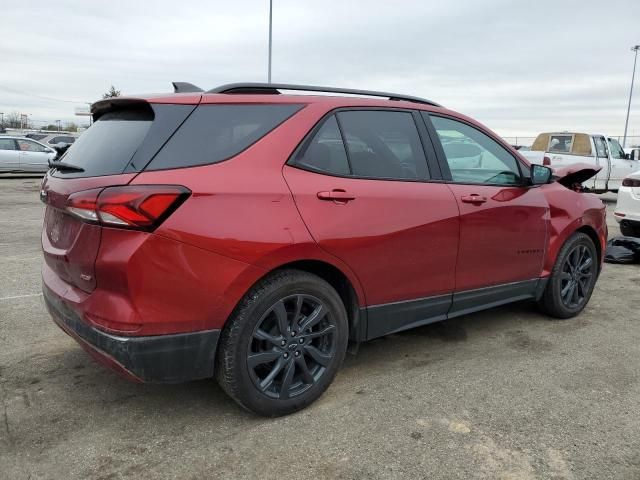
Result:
[[562, 149], [18, 154], [250, 235], [53, 139], [627, 212]]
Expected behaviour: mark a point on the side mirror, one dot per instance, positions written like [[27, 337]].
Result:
[[540, 174], [635, 154]]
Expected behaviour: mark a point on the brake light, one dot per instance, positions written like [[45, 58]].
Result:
[[546, 161], [141, 207], [630, 182]]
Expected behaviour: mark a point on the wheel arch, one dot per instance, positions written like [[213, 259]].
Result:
[[342, 284]]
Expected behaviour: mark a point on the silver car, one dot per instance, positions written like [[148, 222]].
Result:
[[19, 154]]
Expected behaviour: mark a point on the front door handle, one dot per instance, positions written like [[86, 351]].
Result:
[[337, 195], [474, 198]]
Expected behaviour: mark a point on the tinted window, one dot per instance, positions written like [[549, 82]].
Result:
[[7, 144], [29, 146], [109, 144], [383, 144], [35, 136], [325, 151], [213, 133], [474, 157], [64, 139]]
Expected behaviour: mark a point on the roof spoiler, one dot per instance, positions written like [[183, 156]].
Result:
[[185, 87]]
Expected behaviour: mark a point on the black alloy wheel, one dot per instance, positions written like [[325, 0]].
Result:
[[577, 276], [283, 344], [572, 279], [291, 347]]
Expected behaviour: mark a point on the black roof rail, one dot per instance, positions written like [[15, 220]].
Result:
[[274, 89], [185, 87]]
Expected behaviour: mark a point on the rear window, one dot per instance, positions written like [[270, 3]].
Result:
[[214, 133], [64, 139], [109, 144]]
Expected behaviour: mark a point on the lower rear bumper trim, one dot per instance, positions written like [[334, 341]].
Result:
[[153, 359]]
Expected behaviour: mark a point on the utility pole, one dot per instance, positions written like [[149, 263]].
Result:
[[626, 123], [58, 122], [270, 38]]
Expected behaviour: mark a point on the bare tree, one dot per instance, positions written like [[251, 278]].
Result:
[[112, 92], [12, 120]]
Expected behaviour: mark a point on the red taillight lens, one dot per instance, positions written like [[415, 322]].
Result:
[[546, 161], [630, 182], [141, 207]]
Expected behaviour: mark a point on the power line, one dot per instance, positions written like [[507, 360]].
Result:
[[19, 92]]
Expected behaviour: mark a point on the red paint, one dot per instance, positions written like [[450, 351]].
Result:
[[249, 215]]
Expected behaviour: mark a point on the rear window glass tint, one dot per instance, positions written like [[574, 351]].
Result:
[[325, 152], [109, 144], [57, 140], [383, 144], [214, 133]]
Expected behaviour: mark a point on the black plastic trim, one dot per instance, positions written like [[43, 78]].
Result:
[[394, 317], [154, 359], [489, 297]]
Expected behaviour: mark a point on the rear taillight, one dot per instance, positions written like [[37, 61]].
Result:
[[630, 182], [546, 161], [141, 207]]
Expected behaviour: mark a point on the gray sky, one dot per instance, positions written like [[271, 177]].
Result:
[[519, 67]]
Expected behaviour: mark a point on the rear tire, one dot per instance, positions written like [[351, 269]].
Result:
[[572, 279], [284, 343]]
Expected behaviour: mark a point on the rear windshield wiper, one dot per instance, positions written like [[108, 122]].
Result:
[[65, 167]]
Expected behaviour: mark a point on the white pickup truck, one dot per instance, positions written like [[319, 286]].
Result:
[[562, 149]]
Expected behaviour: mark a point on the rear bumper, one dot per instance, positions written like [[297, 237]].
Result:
[[155, 359]]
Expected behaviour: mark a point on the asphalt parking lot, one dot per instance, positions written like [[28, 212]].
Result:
[[506, 393]]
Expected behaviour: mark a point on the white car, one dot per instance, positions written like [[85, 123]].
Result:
[[627, 212], [18, 154]]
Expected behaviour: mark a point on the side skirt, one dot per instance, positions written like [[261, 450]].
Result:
[[394, 317]]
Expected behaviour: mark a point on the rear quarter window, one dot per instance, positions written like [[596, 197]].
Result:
[[214, 133]]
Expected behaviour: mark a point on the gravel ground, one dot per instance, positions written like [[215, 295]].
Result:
[[505, 393]]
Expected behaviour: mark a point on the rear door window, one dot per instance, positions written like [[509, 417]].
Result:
[[383, 144], [214, 133], [7, 144], [325, 152], [29, 146], [601, 147]]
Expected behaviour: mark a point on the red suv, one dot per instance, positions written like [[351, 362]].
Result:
[[250, 234]]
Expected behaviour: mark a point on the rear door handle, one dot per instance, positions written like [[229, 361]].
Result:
[[337, 194], [474, 198]]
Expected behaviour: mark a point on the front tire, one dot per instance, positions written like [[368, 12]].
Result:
[[284, 343], [573, 278]]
